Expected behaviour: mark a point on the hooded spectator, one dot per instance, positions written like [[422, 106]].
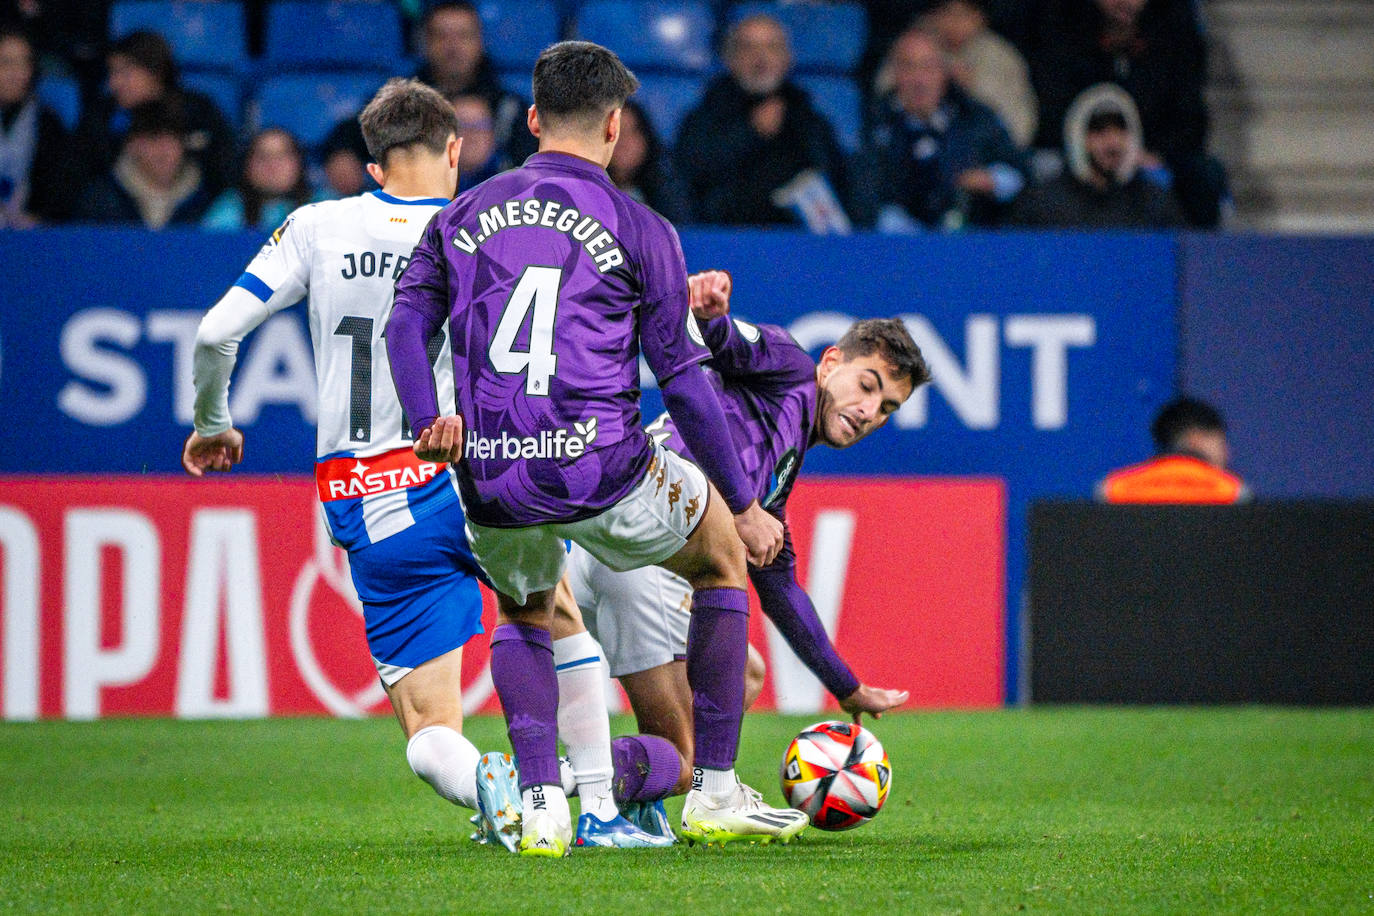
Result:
[[1102, 187]]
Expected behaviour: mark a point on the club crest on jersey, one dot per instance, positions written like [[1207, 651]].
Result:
[[783, 472], [556, 444]]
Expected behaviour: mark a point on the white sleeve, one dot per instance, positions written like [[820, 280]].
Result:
[[278, 277]]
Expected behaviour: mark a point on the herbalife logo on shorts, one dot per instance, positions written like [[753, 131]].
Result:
[[550, 443]]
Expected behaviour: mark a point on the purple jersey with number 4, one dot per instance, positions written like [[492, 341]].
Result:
[[551, 281]]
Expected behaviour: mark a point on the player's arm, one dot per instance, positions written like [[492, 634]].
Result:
[[419, 310], [789, 607], [276, 278], [762, 353], [675, 359]]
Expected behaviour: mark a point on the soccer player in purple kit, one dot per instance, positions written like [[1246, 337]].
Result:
[[778, 402], [551, 282]]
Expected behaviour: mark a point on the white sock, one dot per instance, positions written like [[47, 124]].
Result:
[[582, 722], [569, 779], [715, 783], [549, 796], [447, 761]]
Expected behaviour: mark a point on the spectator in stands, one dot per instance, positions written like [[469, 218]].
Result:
[[1189, 465], [933, 157], [1155, 51], [479, 158], [68, 33], [37, 181], [641, 167], [986, 65], [456, 63], [1102, 187], [142, 69], [345, 158], [273, 184], [154, 181], [754, 131]]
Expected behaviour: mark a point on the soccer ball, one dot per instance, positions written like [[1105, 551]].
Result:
[[837, 774]]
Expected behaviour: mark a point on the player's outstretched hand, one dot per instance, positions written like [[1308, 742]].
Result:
[[442, 440], [872, 700], [219, 452], [708, 294], [760, 532]]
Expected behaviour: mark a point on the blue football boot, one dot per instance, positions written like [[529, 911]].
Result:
[[498, 800], [650, 817], [617, 833]]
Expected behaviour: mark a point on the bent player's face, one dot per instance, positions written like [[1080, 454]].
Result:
[[856, 396]]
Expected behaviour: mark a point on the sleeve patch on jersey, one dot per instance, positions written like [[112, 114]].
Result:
[[281, 230], [694, 330], [254, 285]]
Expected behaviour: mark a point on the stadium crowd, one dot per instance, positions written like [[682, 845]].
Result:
[[898, 115]]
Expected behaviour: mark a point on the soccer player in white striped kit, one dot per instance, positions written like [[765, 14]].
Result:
[[398, 517]]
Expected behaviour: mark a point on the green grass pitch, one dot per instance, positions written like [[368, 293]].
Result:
[[1053, 810]]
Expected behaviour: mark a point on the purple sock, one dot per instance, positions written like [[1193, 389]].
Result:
[[646, 768], [717, 649], [522, 671]]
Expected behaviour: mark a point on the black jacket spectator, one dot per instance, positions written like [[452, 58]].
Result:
[[142, 70], [38, 180], [732, 170], [642, 168], [154, 182]]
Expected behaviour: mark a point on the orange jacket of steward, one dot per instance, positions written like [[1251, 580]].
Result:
[[1173, 479]]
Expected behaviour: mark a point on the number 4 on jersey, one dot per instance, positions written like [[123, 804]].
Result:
[[537, 289]]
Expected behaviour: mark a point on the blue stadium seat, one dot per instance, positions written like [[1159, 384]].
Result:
[[334, 33], [837, 97], [517, 81], [514, 32], [63, 95], [657, 34], [667, 97], [202, 33], [309, 104], [826, 37], [223, 88]]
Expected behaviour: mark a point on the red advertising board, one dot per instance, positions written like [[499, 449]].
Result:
[[160, 595]]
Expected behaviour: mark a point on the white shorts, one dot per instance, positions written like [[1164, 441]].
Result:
[[650, 524], [640, 617]]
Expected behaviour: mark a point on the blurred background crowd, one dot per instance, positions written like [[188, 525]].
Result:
[[902, 116]]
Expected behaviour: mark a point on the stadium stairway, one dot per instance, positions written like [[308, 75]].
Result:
[[1291, 91]]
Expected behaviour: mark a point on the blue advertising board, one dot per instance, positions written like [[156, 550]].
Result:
[[1050, 352]]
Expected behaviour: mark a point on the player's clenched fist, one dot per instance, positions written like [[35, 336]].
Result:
[[761, 533], [442, 440], [708, 294], [219, 452]]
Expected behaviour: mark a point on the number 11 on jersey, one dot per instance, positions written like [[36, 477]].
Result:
[[537, 289]]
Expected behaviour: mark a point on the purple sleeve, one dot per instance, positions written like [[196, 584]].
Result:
[[697, 414], [668, 337], [418, 313], [791, 610], [759, 352]]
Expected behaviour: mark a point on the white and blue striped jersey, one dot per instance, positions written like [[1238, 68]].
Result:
[[345, 255]]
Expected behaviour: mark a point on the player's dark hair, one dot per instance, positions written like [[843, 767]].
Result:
[[1182, 416], [890, 338], [405, 113], [150, 51], [155, 117], [579, 83]]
